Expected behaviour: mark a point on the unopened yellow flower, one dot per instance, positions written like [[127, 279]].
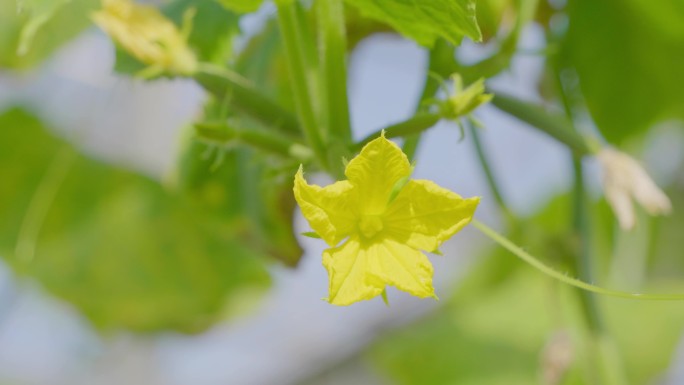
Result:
[[465, 100], [386, 220], [147, 35]]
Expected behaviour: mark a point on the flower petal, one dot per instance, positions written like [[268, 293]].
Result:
[[424, 215], [347, 267], [401, 266], [375, 171], [621, 204], [331, 210]]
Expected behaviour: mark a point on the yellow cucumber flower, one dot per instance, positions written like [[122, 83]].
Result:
[[386, 220], [147, 35]]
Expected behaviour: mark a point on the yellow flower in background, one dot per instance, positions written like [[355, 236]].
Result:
[[147, 35], [386, 220]]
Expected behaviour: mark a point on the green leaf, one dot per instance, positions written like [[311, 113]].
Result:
[[31, 30], [39, 13], [117, 245], [241, 6], [628, 54], [425, 21]]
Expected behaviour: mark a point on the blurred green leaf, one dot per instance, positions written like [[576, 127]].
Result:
[[647, 351], [31, 30], [628, 54], [666, 253], [499, 338], [38, 13], [124, 251], [241, 6], [472, 344], [425, 21]]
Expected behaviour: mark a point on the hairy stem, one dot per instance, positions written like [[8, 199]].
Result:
[[290, 24], [222, 133], [333, 60], [225, 84], [334, 108], [555, 274]]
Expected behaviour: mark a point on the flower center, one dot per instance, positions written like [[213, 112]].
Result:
[[370, 225]]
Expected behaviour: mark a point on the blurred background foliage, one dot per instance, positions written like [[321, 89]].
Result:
[[138, 254], [125, 250], [506, 324], [609, 43]]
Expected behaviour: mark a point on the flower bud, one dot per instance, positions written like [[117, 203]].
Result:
[[464, 101], [147, 35]]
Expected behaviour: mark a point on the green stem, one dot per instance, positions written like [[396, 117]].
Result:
[[225, 84], [333, 60], [583, 263], [551, 272], [221, 133], [606, 359], [554, 125], [334, 109], [411, 127], [609, 364], [295, 52], [489, 174], [580, 222]]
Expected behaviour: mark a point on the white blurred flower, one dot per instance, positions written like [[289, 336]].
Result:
[[625, 180]]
